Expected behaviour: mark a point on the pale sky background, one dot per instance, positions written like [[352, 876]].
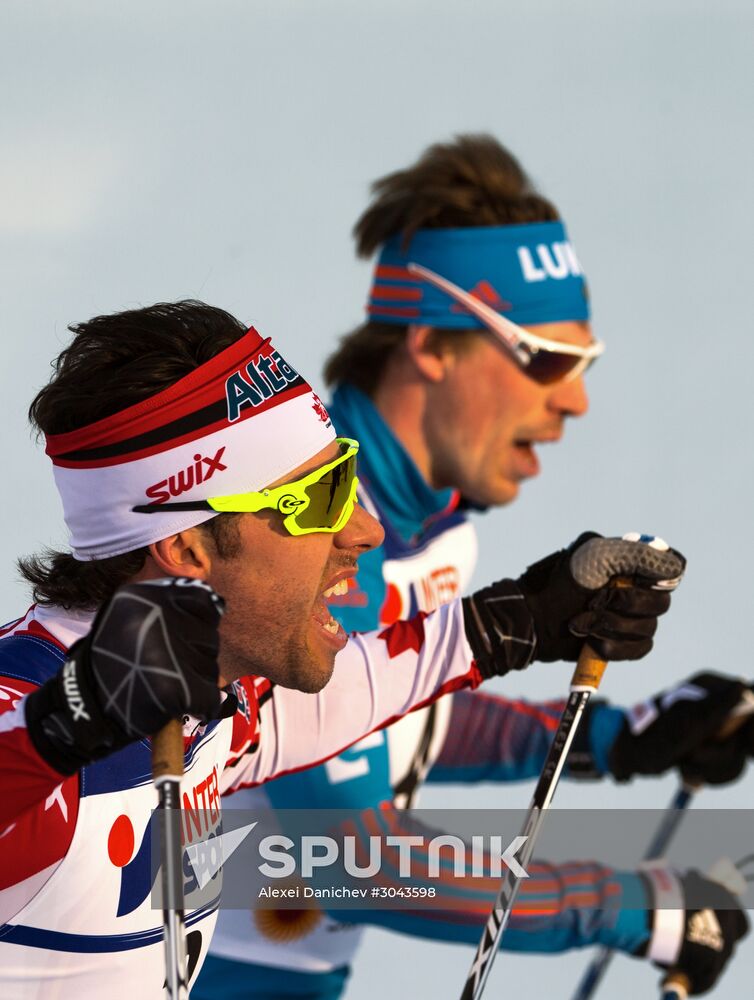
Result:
[[223, 151]]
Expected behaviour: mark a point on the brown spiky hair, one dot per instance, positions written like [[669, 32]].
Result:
[[471, 181]]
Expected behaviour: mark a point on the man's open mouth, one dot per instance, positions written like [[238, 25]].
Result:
[[321, 612]]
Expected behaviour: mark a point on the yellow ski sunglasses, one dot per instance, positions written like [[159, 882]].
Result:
[[321, 501]]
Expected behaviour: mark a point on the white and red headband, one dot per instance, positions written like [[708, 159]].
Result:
[[237, 423]]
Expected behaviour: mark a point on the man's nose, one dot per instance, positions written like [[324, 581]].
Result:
[[569, 398], [361, 531]]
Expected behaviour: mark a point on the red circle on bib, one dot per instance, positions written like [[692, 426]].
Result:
[[120, 843]]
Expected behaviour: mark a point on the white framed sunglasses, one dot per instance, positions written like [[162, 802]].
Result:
[[545, 361]]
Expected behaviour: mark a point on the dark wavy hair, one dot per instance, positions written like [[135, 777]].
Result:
[[113, 362]]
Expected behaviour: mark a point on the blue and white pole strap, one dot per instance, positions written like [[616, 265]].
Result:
[[677, 985], [659, 844]]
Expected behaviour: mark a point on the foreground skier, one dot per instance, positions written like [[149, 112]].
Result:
[[156, 420]]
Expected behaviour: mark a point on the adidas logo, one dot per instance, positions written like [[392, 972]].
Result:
[[704, 929], [486, 293]]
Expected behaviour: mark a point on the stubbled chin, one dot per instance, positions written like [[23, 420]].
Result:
[[320, 663], [497, 494]]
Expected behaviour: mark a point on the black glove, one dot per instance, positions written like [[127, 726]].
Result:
[[712, 924], [684, 727], [571, 600], [565, 598], [151, 656]]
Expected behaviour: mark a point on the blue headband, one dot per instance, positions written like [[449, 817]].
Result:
[[528, 273]]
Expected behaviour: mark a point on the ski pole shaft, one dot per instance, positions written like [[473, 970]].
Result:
[[676, 987], [585, 681], [167, 769]]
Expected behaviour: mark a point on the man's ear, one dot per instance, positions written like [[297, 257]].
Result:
[[430, 357], [185, 554]]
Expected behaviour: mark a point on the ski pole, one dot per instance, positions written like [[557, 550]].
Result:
[[167, 769], [659, 844], [585, 681], [676, 987]]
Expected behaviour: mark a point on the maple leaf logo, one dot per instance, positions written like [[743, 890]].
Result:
[[319, 408], [404, 635]]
